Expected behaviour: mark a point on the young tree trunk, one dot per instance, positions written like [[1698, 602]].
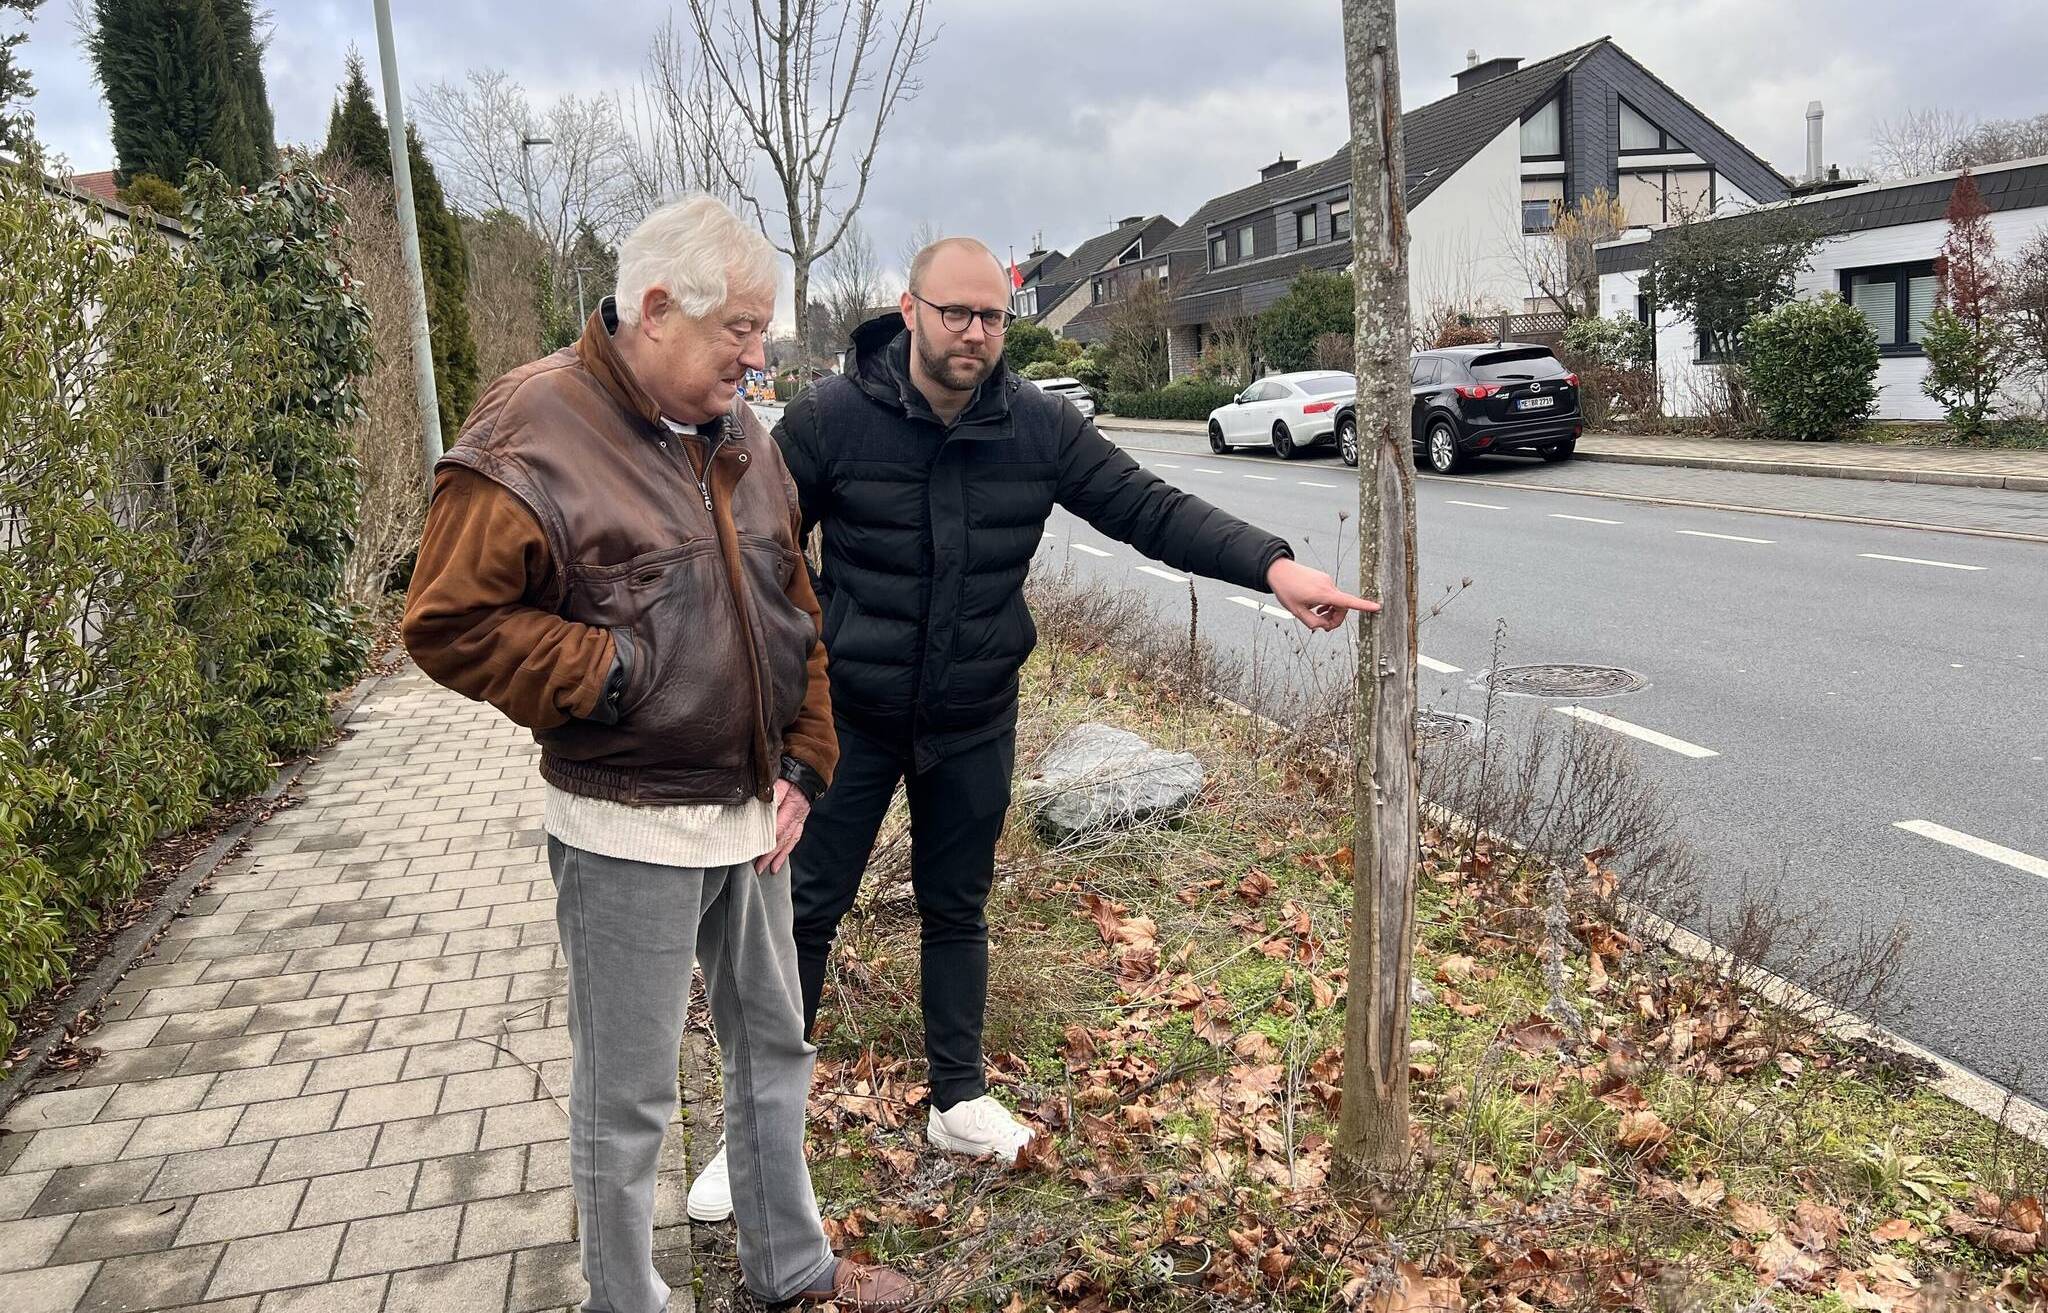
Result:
[[1372, 1130], [800, 270]]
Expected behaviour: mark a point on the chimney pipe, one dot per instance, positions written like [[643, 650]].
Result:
[[1814, 171], [1471, 57]]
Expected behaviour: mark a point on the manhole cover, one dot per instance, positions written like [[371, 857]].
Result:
[[1565, 681], [1432, 726]]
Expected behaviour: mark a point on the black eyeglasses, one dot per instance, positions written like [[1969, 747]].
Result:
[[956, 317]]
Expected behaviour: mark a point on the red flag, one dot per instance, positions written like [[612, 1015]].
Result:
[[1016, 279]]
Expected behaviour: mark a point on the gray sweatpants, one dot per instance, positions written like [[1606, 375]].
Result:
[[630, 931]]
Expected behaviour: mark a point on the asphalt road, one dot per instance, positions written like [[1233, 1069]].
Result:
[[1841, 692], [1813, 686]]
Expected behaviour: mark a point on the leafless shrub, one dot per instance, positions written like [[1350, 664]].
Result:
[[507, 272], [1764, 936], [387, 436]]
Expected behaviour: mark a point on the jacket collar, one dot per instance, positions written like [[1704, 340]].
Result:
[[598, 349], [879, 365]]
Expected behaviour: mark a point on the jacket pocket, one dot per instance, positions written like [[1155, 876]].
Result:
[[784, 630]]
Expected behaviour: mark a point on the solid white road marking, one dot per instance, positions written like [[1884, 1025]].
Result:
[[1584, 519], [1476, 505], [1441, 667], [1970, 843], [1914, 560], [1306, 484], [1092, 551], [1263, 478], [1679, 746], [1256, 605], [1727, 537], [1168, 575]]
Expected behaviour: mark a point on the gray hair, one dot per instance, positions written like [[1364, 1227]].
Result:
[[697, 251]]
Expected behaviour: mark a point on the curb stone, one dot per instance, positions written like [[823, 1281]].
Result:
[[128, 951]]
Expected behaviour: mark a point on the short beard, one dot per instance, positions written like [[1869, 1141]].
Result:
[[946, 370]]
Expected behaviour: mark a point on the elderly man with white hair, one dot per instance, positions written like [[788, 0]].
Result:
[[611, 560]]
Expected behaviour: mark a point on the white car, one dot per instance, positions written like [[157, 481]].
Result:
[[1288, 412], [1073, 390]]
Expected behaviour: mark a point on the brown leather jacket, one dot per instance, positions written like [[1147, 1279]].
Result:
[[650, 620]]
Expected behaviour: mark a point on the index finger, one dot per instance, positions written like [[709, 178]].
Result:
[[1347, 601]]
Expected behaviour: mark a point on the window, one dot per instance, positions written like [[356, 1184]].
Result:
[[1704, 351], [1135, 251], [1896, 299], [1097, 290], [1244, 242], [1639, 134], [1329, 385], [1305, 227], [1541, 139], [1422, 371], [1666, 195], [1219, 251], [1024, 301], [1542, 198], [1159, 272], [1340, 218]]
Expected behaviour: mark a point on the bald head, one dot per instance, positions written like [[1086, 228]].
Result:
[[956, 252]]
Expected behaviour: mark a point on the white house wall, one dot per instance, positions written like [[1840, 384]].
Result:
[[1686, 383], [1463, 235]]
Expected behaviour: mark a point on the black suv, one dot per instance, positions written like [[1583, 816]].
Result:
[[1504, 397]]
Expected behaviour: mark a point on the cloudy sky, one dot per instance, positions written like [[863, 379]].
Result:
[[1058, 116]]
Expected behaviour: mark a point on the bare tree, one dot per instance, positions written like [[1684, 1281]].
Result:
[[1995, 141], [1232, 347], [683, 130], [1372, 1129], [1137, 344], [385, 435], [507, 274], [924, 234], [1916, 141], [814, 83], [575, 174], [1561, 265], [854, 283]]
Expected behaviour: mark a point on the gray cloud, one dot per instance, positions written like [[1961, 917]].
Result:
[[1059, 116]]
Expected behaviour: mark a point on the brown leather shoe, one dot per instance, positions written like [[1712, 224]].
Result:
[[858, 1288]]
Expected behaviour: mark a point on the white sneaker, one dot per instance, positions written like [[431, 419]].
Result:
[[711, 1193], [979, 1127]]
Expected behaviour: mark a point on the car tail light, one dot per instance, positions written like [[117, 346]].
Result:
[[1572, 379], [1318, 407], [1477, 391]]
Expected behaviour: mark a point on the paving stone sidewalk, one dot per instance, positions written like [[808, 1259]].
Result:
[[341, 1082]]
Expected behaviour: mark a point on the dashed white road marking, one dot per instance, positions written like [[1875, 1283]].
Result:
[[1160, 464], [1092, 551], [1476, 505], [1665, 741], [1915, 560], [1306, 484], [1727, 537], [1168, 575], [1263, 478], [1200, 470], [1254, 604], [1584, 519], [1970, 843], [1440, 667]]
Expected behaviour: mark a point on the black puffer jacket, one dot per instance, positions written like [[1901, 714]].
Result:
[[929, 530]]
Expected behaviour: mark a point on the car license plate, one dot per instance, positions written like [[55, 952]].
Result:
[[1535, 403]]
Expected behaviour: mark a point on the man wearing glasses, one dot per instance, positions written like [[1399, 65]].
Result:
[[933, 470]]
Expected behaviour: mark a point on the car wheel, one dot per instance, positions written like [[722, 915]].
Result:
[[1283, 441], [1442, 449], [1561, 451], [1216, 442], [1347, 440]]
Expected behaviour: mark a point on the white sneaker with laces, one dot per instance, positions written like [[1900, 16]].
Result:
[[981, 1128], [711, 1193]]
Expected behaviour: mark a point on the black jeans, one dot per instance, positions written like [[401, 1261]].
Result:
[[956, 815]]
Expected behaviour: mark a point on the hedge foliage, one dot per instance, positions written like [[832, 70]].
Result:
[[1812, 368], [175, 493], [1186, 398]]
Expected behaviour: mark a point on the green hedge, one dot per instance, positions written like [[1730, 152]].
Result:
[[1186, 399], [171, 506], [1812, 368]]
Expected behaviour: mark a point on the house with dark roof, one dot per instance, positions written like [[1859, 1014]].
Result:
[[1879, 255], [1034, 276], [1078, 282], [1488, 167]]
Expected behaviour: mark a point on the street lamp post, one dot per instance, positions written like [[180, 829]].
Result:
[[409, 240]]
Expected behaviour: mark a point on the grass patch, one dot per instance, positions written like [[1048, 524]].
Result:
[[1166, 1006]]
